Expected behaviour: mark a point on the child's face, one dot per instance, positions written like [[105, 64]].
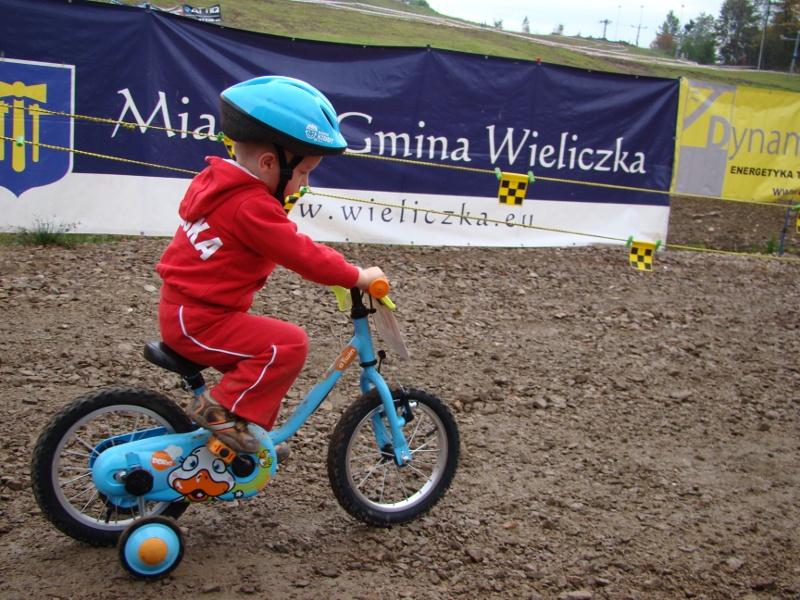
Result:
[[301, 173]]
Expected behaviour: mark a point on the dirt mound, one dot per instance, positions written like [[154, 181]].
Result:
[[625, 435]]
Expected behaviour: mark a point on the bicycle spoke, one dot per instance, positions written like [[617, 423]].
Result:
[[363, 462], [367, 476], [81, 493], [414, 433], [80, 469], [417, 471], [366, 449], [109, 433], [421, 447], [383, 486], [135, 428], [400, 481], [428, 465], [80, 454], [78, 478], [86, 445], [426, 456], [89, 501], [99, 511]]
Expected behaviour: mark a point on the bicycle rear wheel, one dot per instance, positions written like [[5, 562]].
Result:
[[365, 478], [61, 471]]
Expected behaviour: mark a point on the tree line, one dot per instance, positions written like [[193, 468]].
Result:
[[753, 33]]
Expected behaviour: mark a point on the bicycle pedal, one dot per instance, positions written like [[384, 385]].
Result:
[[221, 450]]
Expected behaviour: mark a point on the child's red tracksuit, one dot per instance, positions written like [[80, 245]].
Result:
[[233, 234]]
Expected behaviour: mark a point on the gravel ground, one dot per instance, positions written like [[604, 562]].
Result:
[[624, 435]]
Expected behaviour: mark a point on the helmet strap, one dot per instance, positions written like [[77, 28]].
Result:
[[286, 171]]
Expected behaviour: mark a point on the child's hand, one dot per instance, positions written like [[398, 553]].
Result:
[[367, 276]]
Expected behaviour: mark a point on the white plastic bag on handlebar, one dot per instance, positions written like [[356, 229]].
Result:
[[388, 330], [384, 321]]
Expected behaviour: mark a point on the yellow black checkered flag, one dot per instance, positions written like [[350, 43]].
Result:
[[513, 187], [641, 254], [291, 199]]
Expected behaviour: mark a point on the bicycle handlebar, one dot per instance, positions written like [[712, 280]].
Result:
[[378, 288]]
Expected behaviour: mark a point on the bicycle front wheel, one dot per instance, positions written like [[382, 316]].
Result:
[[365, 478]]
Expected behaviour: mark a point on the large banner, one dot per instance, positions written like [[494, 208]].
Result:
[[163, 74], [738, 142]]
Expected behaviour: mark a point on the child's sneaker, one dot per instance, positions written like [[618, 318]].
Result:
[[226, 426]]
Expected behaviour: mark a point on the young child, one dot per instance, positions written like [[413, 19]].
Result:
[[234, 232]]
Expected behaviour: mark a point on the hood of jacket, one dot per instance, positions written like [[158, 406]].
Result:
[[214, 185]]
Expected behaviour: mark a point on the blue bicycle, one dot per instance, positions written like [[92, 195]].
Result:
[[119, 466]]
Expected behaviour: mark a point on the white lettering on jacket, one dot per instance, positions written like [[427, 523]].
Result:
[[205, 247]]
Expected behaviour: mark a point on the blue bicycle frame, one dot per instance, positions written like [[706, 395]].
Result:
[[175, 466], [360, 345]]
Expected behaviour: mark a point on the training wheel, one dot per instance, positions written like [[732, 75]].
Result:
[[151, 547]]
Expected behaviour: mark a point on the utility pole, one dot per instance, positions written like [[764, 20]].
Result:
[[679, 35], [764, 35], [605, 23], [639, 26], [794, 52]]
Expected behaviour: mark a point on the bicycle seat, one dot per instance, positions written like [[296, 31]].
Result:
[[165, 357]]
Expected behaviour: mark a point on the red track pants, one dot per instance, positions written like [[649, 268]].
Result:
[[259, 357]]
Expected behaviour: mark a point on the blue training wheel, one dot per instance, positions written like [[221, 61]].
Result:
[[151, 547]]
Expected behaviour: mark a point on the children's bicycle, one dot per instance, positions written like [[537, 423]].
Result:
[[119, 466]]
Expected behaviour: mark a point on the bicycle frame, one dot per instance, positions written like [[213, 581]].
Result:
[[360, 345], [176, 466]]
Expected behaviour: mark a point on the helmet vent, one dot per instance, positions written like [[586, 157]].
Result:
[[329, 116]]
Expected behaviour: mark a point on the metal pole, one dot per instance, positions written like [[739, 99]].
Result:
[[679, 35], [794, 52], [783, 231], [639, 28], [763, 35]]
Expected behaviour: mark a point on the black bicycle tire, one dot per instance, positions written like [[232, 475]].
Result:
[[41, 463], [337, 452]]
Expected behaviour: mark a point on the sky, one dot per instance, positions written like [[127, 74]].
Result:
[[580, 17]]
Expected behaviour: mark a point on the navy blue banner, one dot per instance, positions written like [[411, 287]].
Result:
[[157, 69]]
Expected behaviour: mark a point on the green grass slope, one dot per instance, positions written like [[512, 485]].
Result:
[[398, 24]]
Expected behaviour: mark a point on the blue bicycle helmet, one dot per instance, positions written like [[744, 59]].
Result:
[[288, 113]]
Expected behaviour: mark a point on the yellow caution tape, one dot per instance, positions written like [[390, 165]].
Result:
[[228, 144], [291, 199]]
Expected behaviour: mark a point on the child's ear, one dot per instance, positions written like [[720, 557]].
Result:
[[267, 160]]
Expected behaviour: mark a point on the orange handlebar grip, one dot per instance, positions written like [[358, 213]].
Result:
[[378, 288]]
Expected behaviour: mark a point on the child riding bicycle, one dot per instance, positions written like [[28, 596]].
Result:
[[234, 232]]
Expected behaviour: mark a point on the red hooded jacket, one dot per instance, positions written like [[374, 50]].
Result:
[[233, 234]]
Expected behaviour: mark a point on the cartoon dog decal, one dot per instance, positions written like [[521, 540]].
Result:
[[201, 476]]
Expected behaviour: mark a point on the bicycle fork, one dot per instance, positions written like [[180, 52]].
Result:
[[370, 377], [391, 438]]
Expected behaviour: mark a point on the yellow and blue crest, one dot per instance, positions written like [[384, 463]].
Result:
[[30, 92]]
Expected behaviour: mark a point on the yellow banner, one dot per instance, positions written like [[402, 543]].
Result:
[[737, 142]]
